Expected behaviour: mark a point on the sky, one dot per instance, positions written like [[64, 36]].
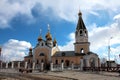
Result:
[[21, 21]]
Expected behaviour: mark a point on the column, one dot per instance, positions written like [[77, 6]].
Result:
[[62, 66], [33, 65], [81, 64], [72, 66], [96, 62], [51, 66], [12, 65], [25, 65], [18, 64], [88, 64], [6, 65], [42, 66]]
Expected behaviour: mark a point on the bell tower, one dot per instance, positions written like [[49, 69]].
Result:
[[81, 44]]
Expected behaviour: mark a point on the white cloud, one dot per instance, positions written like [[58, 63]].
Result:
[[69, 46], [14, 50], [117, 17], [65, 9]]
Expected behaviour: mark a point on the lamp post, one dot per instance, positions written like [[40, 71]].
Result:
[[109, 51]]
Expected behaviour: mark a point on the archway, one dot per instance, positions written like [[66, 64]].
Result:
[[81, 50], [67, 63], [92, 62]]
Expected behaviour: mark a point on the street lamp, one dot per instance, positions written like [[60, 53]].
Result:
[[109, 51]]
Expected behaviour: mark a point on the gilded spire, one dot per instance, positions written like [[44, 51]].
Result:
[[48, 35], [54, 41], [40, 37]]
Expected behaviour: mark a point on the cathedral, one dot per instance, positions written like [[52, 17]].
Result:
[[47, 51]]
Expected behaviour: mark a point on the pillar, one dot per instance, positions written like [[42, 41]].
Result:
[[42, 66], [12, 65], [6, 65], [88, 64], [51, 66], [96, 63], [18, 64], [33, 65], [81, 64], [62, 66], [72, 66], [25, 65]]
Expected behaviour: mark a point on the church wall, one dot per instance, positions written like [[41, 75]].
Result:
[[72, 59], [46, 52]]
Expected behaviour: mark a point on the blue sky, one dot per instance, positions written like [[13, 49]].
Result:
[[21, 21]]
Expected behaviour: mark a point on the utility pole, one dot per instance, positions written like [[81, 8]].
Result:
[[109, 51]]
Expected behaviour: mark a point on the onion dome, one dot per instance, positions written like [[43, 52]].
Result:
[[30, 49], [40, 38], [48, 36], [54, 42]]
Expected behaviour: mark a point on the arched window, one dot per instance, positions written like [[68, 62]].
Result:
[[37, 61], [82, 50], [56, 62], [85, 33], [42, 44], [80, 33], [41, 54], [42, 61], [62, 61]]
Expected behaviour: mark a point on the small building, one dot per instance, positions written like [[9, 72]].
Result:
[[111, 63]]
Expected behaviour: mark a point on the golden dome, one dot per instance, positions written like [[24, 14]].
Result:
[[54, 41], [40, 38], [48, 36], [30, 49]]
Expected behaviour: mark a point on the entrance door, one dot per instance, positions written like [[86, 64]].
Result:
[[67, 63], [92, 62]]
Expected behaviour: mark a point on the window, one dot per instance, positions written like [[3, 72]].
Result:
[[42, 60], [80, 33], [41, 54], [63, 54], [42, 44], [62, 61], [56, 62], [82, 50], [37, 61]]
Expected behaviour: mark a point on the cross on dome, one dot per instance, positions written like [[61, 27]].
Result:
[[48, 28]]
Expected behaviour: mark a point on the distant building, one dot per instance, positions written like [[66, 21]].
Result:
[[47, 51], [111, 63]]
